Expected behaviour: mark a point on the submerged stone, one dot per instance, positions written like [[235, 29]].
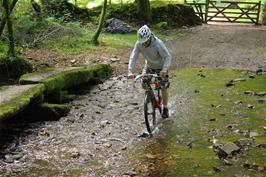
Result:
[[251, 106], [261, 94], [228, 149], [230, 83], [249, 92], [239, 79], [253, 134], [9, 158], [130, 173], [251, 76], [216, 169], [262, 100], [261, 71]]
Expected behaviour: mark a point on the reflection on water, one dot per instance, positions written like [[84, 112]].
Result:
[[159, 153]]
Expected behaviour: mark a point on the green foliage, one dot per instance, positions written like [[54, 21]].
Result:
[[161, 25], [55, 8], [127, 12], [65, 10], [31, 33], [175, 15], [23, 8], [3, 49]]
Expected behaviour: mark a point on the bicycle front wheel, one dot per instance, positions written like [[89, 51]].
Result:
[[149, 111]]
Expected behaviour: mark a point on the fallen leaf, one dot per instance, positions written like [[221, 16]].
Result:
[[150, 156], [44, 133]]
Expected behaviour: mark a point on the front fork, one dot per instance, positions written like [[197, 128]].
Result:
[[158, 103]]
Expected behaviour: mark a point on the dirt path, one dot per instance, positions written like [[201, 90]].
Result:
[[100, 135], [220, 46]]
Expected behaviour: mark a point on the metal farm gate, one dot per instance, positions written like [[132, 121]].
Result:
[[227, 11]]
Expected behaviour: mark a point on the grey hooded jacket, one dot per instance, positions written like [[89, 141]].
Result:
[[156, 55]]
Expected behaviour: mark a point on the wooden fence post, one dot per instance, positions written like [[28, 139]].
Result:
[[258, 15], [206, 10], [264, 14]]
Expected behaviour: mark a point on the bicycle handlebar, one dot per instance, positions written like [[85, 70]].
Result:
[[138, 77]]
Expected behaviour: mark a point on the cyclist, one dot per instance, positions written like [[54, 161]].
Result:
[[157, 60]]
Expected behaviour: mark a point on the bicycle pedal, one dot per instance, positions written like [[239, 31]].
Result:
[[143, 135]]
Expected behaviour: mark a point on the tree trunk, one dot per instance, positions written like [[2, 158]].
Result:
[[144, 10], [3, 22], [11, 52], [100, 25]]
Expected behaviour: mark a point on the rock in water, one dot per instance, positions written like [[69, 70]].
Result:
[[228, 149]]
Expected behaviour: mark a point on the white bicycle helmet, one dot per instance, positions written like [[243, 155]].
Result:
[[144, 33]]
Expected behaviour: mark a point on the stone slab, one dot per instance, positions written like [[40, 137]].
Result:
[[39, 76], [14, 99]]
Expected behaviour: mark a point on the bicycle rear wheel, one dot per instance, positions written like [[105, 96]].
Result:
[[149, 111]]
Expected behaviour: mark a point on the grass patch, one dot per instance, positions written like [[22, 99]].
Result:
[[82, 43]]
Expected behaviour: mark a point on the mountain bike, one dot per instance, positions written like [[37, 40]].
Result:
[[152, 84]]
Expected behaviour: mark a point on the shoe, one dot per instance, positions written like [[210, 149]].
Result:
[[165, 113]]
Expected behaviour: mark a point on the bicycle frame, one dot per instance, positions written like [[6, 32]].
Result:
[[152, 79], [152, 99]]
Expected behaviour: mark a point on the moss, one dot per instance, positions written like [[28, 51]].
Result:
[[47, 111], [212, 100], [44, 112], [17, 105], [253, 157], [66, 79], [76, 77], [215, 100], [14, 68], [57, 97], [102, 71], [55, 83]]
